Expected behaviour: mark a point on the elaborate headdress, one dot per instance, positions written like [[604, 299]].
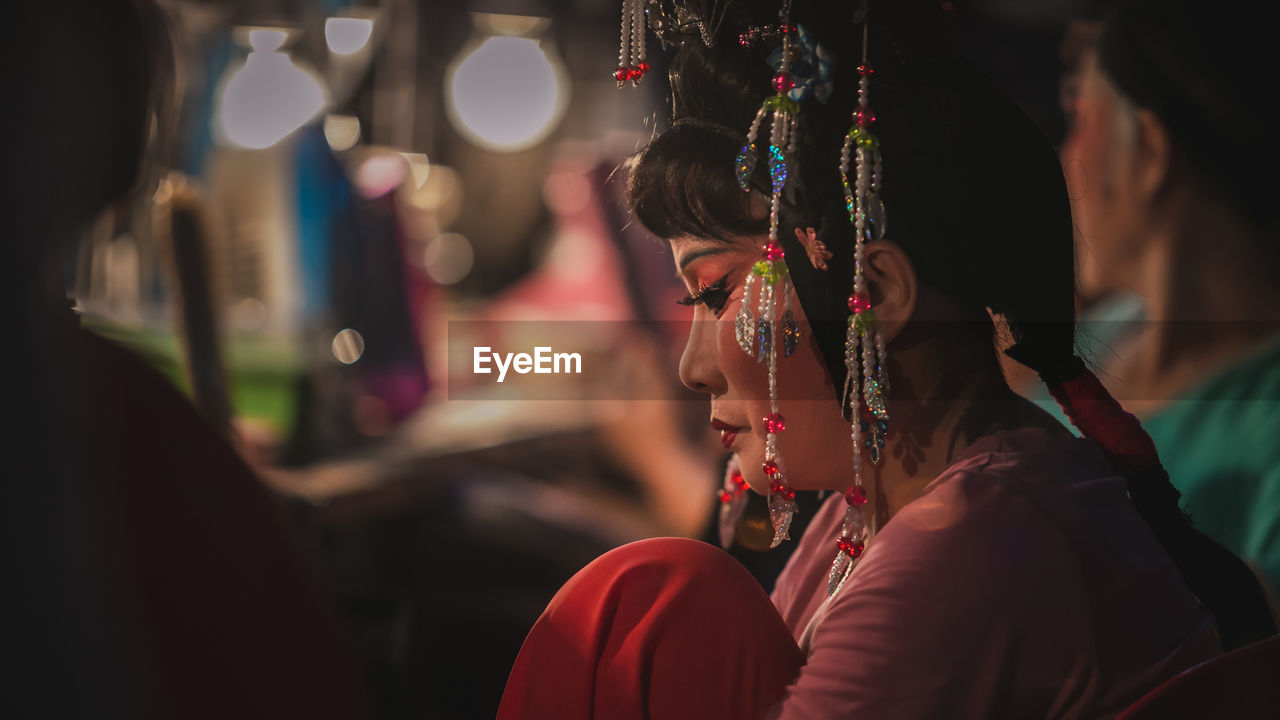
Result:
[[765, 326]]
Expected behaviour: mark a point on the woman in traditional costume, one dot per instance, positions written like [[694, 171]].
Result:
[[863, 221]]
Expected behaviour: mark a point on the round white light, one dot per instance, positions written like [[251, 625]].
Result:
[[506, 94], [346, 35]]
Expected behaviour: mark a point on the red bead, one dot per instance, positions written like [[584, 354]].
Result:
[[740, 482], [783, 83], [863, 117], [770, 468], [859, 303], [775, 423], [773, 251], [643, 68], [622, 74], [856, 496], [782, 490], [865, 70], [850, 546], [726, 496]]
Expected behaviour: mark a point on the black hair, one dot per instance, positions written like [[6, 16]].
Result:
[[974, 195], [1199, 72]]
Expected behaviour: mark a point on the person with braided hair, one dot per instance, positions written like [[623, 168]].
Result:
[[858, 254]]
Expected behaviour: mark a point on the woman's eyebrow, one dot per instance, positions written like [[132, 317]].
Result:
[[703, 252]]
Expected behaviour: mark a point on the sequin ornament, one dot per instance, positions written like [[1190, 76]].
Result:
[[866, 382]]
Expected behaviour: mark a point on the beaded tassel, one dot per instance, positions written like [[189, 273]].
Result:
[[733, 502], [866, 381], [758, 334], [631, 63]]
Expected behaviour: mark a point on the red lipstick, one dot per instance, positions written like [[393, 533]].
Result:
[[728, 433]]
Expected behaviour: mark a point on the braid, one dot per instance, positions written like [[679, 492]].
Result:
[[1221, 581]]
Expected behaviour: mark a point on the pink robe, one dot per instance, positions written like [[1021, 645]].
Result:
[[1021, 583]]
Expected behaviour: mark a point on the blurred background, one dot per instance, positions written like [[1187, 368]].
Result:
[[339, 201]]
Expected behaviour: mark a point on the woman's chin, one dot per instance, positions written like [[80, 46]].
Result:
[[752, 473]]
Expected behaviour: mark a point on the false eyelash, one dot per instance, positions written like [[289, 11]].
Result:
[[714, 296]]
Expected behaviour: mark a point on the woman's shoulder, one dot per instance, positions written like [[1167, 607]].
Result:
[[1025, 490], [1023, 564]]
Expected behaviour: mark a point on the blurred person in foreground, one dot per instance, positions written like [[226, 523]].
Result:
[[1172, 168], [147, 571]]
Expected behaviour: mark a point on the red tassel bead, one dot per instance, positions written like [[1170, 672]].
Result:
[[856, 496], [863, 117], [851, 547], [770, 468], [773, 251], [782, 490], [775, 423], [642, 68], [725, 496], [859, 303], [782, 82], [740, 482], [865, 70]]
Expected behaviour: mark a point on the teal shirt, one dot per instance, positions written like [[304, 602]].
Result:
[[1221, 445], [1220, 442]]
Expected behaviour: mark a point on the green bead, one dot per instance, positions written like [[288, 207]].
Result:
[[783, 103], [867, 140], [761, 268], [856, 132], [864, 321]]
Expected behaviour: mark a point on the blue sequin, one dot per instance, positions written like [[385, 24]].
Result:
[[777, 168], [746, 166]]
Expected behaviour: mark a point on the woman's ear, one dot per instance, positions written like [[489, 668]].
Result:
[[1152, 156], [893, 284]]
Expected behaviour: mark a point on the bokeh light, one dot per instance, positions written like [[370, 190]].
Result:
[[347, 35], [348, 346], [448, 258], [269, 96], [507, 94], [341, 131]]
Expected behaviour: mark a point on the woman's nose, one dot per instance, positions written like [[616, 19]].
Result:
[[699, 364]]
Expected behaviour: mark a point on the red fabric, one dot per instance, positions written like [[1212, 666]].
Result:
[[664, 628], [1097, 414]]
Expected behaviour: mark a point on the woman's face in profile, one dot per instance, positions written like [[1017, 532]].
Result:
[[815, 449]]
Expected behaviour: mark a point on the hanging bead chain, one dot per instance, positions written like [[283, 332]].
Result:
[[758, 334], [865, 355], [631, 63]]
